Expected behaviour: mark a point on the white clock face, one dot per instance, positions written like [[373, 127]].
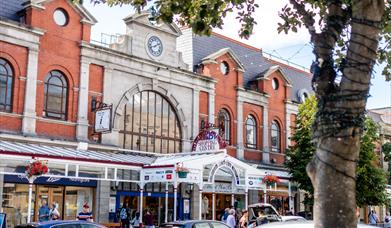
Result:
[[155, 46]]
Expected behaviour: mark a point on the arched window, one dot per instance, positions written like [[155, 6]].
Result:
[[225, 125], [56, 91], [276, 137], [6, 77], [150, 124], [251, 132]]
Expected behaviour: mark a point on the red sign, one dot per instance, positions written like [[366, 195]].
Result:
[[208, 140]]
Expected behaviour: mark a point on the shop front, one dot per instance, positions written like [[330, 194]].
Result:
[[68, 195], [225, 197]]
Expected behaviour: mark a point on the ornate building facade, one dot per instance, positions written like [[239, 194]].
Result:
[[164, 85]]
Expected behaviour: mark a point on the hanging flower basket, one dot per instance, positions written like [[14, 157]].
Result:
[[36, 168], [182, 171], [270, 180], [182, 174]]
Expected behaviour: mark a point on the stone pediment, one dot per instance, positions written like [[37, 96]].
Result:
[[143, 19]]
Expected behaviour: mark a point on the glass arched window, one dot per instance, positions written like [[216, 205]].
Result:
[[225, 125], [275, 137], [150, 124], [56, 90], [251, 132], [6, 77]]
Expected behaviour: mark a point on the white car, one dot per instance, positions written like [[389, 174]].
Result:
[[270, 214]]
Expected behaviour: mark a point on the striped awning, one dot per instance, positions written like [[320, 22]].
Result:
[[73, 154]]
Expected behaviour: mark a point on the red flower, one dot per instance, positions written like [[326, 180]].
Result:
[[36, 168], [270, 179]]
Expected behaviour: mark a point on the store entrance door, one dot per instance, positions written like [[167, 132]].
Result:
[[52, 195]]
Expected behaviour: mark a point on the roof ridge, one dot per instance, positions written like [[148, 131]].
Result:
[[272, 61], [236, 41]]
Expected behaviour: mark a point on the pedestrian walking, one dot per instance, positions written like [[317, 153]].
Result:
[[225, 215], [44, 211], [372, 217], [85, 214], [54, 214], [387, 220], [136, 220], [244, 219], [148, 219], [124, 215], [231, 222]]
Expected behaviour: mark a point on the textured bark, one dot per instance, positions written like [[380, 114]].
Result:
[[341, 108]]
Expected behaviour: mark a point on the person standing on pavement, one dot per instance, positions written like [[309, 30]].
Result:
[[136, 220], [243, 220], [85, 214], [231, 222], [148, 219], [372, 217], [44, 212], [387, 220], [54, 214], [124, 215]]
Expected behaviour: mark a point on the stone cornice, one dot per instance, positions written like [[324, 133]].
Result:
[[100, 55]]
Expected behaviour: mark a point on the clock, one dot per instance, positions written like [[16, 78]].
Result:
[[154, 46]]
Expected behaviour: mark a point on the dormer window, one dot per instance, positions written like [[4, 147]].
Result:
[[60, 17], [224, 68], [275, 84]]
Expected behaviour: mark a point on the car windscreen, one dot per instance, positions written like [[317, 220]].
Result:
[[266, 211]]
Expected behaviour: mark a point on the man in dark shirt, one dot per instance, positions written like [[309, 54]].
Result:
[[148, 219]]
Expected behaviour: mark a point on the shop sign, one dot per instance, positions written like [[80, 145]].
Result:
[[158, 175], [255, 182], [207, 140], [224, 163], [103, 120], [112, 203], [51, 181], [192, 177], [225, 188]]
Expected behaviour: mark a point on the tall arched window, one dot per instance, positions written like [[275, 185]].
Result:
[[150, 124], [225, 125], [276, 137], [56, 90], [6, 77], [251, 132]]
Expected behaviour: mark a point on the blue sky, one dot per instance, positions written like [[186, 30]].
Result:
[[294, 47]]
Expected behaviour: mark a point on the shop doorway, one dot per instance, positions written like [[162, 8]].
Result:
[[51, 195], [155, 202]]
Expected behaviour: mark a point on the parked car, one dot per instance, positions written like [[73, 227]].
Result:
[[61, 224], [195, 224], [270, 213], [305, 224]]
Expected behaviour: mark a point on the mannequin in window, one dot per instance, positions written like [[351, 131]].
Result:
[[205, 206]]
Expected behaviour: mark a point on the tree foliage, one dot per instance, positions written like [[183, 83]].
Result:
[[386, 149], [301, 153], [371, 179]]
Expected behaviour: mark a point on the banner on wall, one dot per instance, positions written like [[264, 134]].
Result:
[[158, 175], [255, 182], [208, 139]]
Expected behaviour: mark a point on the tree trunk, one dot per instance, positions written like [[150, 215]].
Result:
[[340, 116]]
